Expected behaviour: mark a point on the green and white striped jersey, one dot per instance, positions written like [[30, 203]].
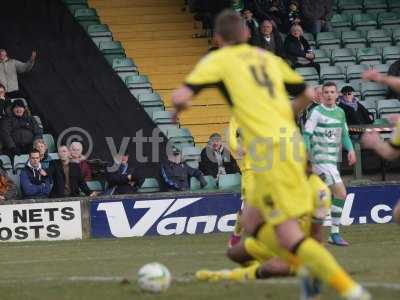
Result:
[[325, 132]]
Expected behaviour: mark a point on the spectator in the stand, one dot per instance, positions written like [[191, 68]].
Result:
[[35, 182], [394, 70], [317, 15], [253, 25], [8, 189], [5, 103], [298, 50], [273, 10], [271, 39], [19, 131], [215, 159], [356, 113], [176, 174], [41, 146], [66, 177], [76, 149], [8, 72], [124, 180], [293, 15]]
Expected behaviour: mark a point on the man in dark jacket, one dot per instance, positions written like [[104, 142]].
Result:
[[176, 174], [19, 131], [35, 183], [356, 113], [5, 103], [215, 159], [271, 39], [67, 177], [123, 180], [316, 15]]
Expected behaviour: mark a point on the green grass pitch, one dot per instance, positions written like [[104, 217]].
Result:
[[92, 269]]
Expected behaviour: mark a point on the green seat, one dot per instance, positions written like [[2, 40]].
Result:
[[387, 19], [393, 4], [165, 127], [139, 83], [322, 56], [375, 5], [85, 24], [369, 56], [150, 185], [328, 40], [20, 162], [71, 2], [95, 186], [340, 22], [381, 68], [396, 35], [195, 184], [6, 162], [350, 5], [191, 156], [151, 97], [364, 21], [308, 73], [370, 105], [99, 39], [124, 65], [381, 122], [86, 14], [310, 38], [390, 54], [150, 109], [54, 156], [180, 137], [379, 38], [344, 56], [229, 181], [388, 106], [354, 38], [74, 7], [372, 89], [329, 73], [163, 117], [111, 47], [354, 72], [49, 140], [99, 30]]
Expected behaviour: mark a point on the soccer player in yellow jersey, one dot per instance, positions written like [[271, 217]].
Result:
[[388, 150], [255, 83]]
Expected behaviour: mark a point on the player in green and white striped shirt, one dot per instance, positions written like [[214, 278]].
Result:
[[325, 133]]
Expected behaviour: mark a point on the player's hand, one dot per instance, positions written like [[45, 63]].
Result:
[[43, 172], [394, 118], [370, 139], [93, 194], [352, 158], [372, 75]]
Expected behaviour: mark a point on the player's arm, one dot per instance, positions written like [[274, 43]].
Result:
[[206, 73], [347, 143], [309, 128], [391, 81], [296, 87], [387, 150]]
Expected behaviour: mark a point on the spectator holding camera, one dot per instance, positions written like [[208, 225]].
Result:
[[176, 174], [123, 180], [35, 182]]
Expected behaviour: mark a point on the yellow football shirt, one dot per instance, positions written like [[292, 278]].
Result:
[[395, 141], [255, 83], [321, 197]]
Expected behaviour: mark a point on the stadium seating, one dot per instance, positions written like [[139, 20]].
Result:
[[350, 6], [340, 22], [322, 56], [86, 16], [180, 137], [49, 140], [388, 106], [95, 186], [375, 5], [20, 162], [138, 82], [343, 57], [354, 39], [163, 117], [390, 54], [99, 30], [6, 162], [308, 73], [353, 73], [369, 56], [392, 4], [211, 184], [370, 105], [112, 50], [329, 73], [229, 182], [372, 90], [191, 156], [387, 20], [328, 40], [150, 185], [379, 38], [364, 21]]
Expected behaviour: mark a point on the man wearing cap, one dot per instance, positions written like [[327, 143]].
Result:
[[216, 159], [9, 68], [176, 174], [356, 113], [19, 131]]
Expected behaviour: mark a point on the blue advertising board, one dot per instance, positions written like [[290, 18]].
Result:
[[207, 213]]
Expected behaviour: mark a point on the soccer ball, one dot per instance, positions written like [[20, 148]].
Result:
[[154, 278]]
